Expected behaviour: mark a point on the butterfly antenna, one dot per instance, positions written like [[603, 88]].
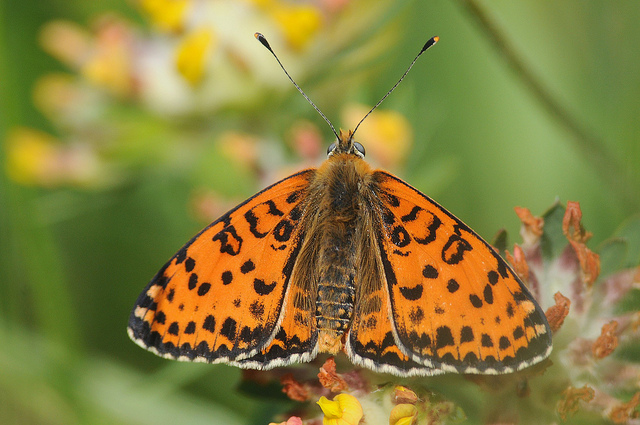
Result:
[[431, 42], [261, 38]]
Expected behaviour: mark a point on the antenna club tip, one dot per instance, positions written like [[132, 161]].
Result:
[[262, 39], [429, 43]]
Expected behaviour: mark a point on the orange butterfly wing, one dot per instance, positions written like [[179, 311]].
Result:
[[448, 301], [220, 298]]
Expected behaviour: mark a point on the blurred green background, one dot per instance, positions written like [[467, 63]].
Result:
[[519, 104]]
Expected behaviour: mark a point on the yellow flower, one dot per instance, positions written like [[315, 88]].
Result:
[[29, 154], [345, 409], [167, 15], [403, 414], [66, 41], [298, 23], [386, 135], [193, 53], [36, 158]]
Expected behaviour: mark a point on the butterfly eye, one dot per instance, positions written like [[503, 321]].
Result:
[[331, 148], [359, 148]]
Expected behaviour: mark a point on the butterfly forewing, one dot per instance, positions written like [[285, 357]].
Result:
[[456, 305], [221, 297]]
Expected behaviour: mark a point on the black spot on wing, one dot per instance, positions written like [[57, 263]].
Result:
[[412, 215], [444, 337], [466, 334], [209, 324], [504, 343], [174, 328], [475, 301], [430, 272], [193, 281], [416, 315], [228, 329], [520, 297], [400, 253], [256, 309], [203, 289], [486, 341], [518, 332], [454, 249], [253, 224], [263, 288], [273, 209], [293, 196], [247, 267], [227, 277], [190, 264], [431, 235], [510, 311], [282, 232], [400, 237], [493, 277], [488, 294], [452, 286], [422, 341], [191, 328], [230, 242], [412, 294]]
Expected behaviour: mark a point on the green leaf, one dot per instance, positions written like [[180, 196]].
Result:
[[630, 232], [553, 240], [613, 254]]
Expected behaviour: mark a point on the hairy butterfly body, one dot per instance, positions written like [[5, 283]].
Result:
[[342, 258]]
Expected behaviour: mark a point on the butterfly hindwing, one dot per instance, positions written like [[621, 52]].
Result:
[[220, 298], [372, 338], [455, 304]]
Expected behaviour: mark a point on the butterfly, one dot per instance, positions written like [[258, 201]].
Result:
[[342, 258]]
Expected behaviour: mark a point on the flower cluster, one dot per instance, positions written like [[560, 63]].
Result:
[[356, 400], [160, 95], [590, 378], [592, 325]]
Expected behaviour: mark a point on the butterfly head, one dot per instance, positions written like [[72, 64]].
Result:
[[346, 144]]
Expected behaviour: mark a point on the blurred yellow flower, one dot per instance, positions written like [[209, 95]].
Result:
[[66, 41], [166, 15], [193, 53], [386, 135], [36, 158], [345, 409], [298, 23], [29, 153]]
